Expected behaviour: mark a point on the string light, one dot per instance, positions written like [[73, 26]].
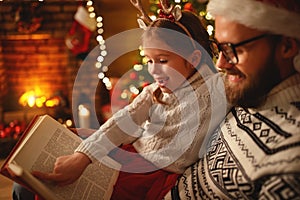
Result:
[[102, 47]]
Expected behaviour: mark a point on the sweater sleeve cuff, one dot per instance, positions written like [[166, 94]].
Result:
[[96, 146], [82, 149]]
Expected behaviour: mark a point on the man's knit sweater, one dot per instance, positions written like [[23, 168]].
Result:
[[254, 154], [167, 134]]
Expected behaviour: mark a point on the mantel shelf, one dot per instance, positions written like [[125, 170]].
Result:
[[37, 36]]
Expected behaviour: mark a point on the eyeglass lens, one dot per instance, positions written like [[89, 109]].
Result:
[[229, 50]]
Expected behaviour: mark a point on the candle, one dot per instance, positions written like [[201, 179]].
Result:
[[84, 116]]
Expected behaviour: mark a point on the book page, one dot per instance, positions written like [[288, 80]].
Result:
[[45, 130], [32, 181], [52, 140], [94, 183]]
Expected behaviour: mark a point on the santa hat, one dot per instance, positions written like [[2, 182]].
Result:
[[276, 16]]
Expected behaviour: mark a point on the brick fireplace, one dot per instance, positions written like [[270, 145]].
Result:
[[39, 61]]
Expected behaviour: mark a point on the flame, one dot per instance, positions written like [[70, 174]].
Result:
[[35, 98], [52, 102], [32, 98]]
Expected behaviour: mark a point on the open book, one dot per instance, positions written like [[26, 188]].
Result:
[[44, 140]]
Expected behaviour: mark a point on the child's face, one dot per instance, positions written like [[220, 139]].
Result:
[[168, 69]]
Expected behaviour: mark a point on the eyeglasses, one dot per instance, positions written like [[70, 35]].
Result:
[[229, 49]]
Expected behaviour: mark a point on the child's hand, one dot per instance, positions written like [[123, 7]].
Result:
[[67, 169]]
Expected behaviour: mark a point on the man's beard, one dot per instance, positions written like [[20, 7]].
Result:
[[253, 91]]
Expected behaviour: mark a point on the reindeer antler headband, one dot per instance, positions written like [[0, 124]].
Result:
[[168, 12]]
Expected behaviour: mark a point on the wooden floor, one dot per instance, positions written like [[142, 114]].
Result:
[[5, 187]]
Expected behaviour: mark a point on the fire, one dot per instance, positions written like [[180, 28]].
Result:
[[35, 98]]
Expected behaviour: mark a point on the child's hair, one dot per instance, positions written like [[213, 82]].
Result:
[[191, 23], [198, 38]]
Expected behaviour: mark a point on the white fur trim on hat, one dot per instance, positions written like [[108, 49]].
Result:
[[83, 18], [258, 15]]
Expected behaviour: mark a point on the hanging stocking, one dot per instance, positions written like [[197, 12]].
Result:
[[78, 38]]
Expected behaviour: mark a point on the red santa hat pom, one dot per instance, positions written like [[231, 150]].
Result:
[[276, 16]]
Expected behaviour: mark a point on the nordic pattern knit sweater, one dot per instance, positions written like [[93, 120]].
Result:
[[167, 134], [254, 154]]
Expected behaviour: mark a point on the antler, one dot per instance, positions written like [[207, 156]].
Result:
[[138, 5], [166, 7]]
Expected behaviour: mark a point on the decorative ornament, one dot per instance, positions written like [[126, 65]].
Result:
[[80, 33], [170, 12], [142, 24], [167, 12], [144, 17], [297, 62], [176, 12], [189, 6], [173, 14], [28, 17]]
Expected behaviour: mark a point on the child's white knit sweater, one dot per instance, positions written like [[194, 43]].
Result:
[[169, 135]]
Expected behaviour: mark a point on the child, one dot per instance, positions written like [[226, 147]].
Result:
[[160, 133]]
